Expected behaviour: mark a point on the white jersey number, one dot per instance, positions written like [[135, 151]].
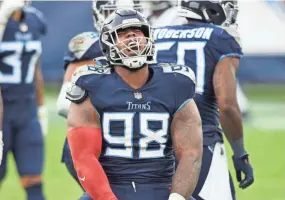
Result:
[[158, 136], [14, 61], [198, 47]]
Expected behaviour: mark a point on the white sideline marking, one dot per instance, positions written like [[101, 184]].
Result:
[[267, 115]]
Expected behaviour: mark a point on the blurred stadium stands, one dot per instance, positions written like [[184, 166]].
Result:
[[263, 37]]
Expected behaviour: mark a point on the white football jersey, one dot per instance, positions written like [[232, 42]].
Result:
[[168, 17]]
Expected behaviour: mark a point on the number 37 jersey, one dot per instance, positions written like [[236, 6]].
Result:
[[136, 123], [20, 50], [199, 46]]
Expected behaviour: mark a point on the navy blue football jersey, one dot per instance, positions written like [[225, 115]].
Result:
[[199, 46], [136, 123], [82, 47], [20, 50]]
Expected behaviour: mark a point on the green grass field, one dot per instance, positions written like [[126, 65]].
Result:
[[265, 140]]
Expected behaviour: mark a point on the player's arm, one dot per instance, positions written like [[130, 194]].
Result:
[[39, 84], [63, 104], [2, 30], [42, 110], [186, 132], [224, 81], [85, 140], [1, 133]]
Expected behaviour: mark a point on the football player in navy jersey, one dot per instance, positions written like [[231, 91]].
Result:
[[213, 54], [22, 91], [6, 11], [164, 13], [126, 119], [83, 49]]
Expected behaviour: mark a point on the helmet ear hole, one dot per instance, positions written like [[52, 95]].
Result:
[[213, 12]]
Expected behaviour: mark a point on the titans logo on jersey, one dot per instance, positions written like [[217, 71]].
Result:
[[20, 50], [199, 46], [136, 123], [82, 47]]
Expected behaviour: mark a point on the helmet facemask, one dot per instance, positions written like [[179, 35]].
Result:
[[231, 11], [132, 52]]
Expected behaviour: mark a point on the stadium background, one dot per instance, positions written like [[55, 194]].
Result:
[[262, 74]]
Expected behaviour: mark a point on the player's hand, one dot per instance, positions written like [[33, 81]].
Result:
[[7, 8], [43, 117], [1, 147], [242, 165]]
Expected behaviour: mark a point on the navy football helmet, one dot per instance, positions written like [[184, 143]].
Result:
[[103, 8], [109, 40], [218, 12]]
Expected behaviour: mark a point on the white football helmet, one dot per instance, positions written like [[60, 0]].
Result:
[[103, 8]]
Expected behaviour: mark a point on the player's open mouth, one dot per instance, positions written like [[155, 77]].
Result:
[[133, 46]]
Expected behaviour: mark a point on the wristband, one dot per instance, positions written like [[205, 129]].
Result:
[[238, 147], [176, 196]]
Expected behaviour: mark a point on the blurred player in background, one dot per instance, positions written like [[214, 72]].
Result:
[[2, 29], [22, 88], [82, 50], [213, 54], [144, 114], [164, 13]]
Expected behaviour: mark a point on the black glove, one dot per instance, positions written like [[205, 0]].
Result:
[[242, 164]]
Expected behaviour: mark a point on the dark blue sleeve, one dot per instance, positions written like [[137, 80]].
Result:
[[44, 28], [223, 45], [43, 23], [185, 91], [89, 53], [182, 82], [40, 18]]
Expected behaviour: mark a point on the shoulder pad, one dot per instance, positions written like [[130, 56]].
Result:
[[89, 69], [75, 92], [181, 69], [80, 43]]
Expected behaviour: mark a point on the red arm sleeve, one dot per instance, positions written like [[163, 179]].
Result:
[[85, 145]]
